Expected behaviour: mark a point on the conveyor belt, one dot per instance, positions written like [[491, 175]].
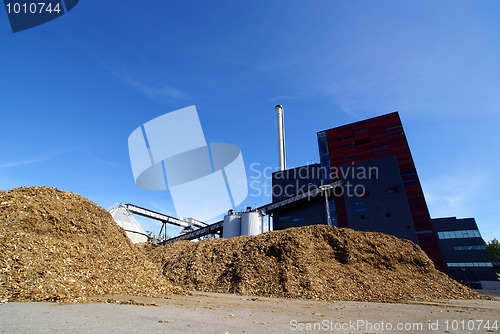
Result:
[[162, 217], [215, 228]]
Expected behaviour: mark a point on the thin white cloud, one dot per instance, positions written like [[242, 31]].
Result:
[[290, 97], [12, 164], [455, 195], [30, 161], [433, 81], [98, 159], [151, 90], [47, 157], [129, 73], [463, 197]]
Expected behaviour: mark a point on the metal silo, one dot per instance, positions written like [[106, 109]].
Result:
[[231, 227], [251, 223]]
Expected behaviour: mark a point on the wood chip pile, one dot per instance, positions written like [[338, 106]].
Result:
[[314, 262], [59, 246]]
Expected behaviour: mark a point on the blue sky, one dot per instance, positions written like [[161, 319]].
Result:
[[72, 90]]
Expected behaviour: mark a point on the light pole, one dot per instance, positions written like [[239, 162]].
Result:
[[325, 188]]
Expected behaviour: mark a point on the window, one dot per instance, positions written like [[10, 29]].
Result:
[[323, 147], [351, 158], [469, 248], [352, 210], [393, 127], [395, 135], [463, 234], [384, 151], [359, 130], [362, 141], [470, 234], [347, 145], [469, 264], [347, 138], [380, 146], [393, 190]]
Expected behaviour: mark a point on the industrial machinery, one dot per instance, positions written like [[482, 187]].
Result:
[[247, 222], [234, 220]]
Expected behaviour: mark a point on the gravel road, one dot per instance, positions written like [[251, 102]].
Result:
[[222, 313]]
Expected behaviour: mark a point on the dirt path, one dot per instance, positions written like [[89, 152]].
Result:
[[221, 313]]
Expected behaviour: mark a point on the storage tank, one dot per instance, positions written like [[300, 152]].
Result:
[[251, 223], [231, 227]]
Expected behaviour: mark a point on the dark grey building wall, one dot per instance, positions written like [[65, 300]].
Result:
[[291, 182], [304, 214], [375, 198], [464, 250]]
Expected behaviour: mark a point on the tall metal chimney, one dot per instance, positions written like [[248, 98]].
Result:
[[281, 137]]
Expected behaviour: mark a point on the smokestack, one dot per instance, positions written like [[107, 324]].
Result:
[[281, 137]]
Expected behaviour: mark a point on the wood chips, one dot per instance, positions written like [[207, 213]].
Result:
[[59, 246], [314, 262]]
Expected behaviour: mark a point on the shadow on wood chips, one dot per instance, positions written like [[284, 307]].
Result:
[[59, 246]]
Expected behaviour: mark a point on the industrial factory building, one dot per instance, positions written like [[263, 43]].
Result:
[[366, 180], [381, 193], [464, 252]]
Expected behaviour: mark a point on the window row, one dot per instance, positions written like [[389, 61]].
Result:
[[357, 210], [467, 248], [459, 234], [469, 264], [362, 217]]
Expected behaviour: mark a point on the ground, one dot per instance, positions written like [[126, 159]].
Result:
[[222, 313]]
